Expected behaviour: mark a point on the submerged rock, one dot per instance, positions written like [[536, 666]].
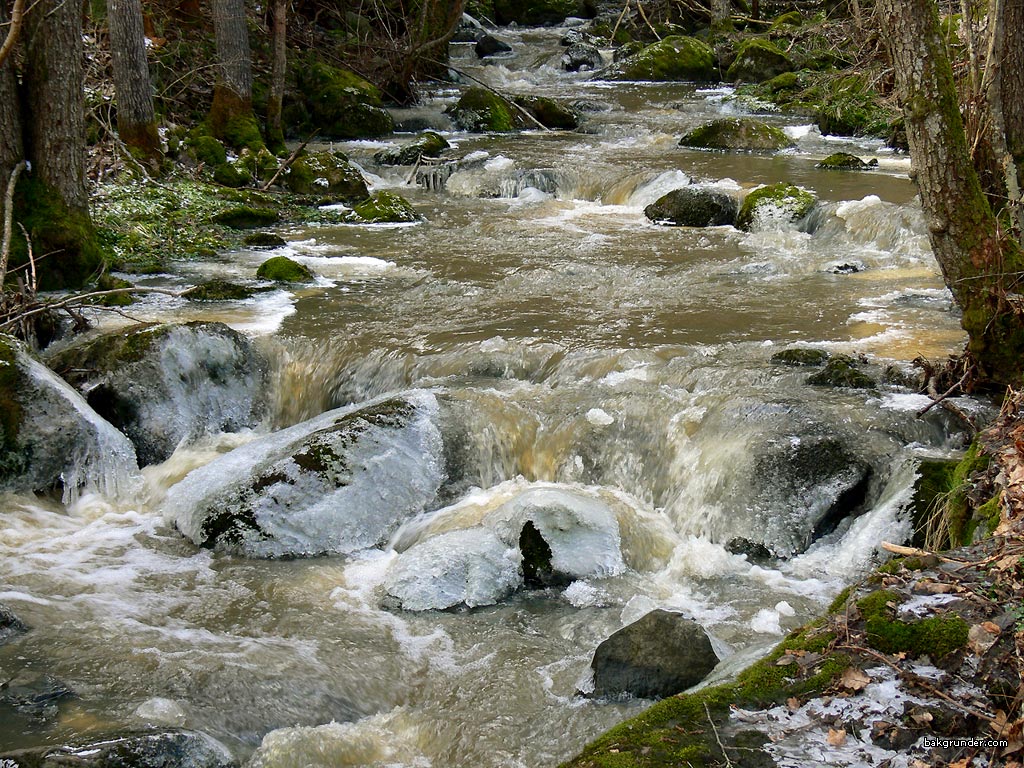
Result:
[[386, 207], [10, 625], [675, 58], [218, 290], [758, 60], [427, 144], [326, 173], [51, 438], [841, 371], [163, 385], [34, 695], [804, 356], [550, 113], [334, 484], [774, 204], [693, 207], [160, 749], [737, 133], [660, 655], [844, 161], [480, 109], [281, 269], [488, 45]]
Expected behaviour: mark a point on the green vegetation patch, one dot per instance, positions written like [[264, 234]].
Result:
[[247, 217], [935, 636], [386, 207], [758, 60], [334, 103]]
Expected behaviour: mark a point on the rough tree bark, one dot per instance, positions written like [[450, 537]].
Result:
[[136, 118], [231, 118], [981, 265], [11, 148], [1012, 80], [279, 68]]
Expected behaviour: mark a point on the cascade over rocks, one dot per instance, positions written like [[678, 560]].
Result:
[[337, 483], [167, 384], [693, 207], [659, 655], [159, 749], [50, 438]]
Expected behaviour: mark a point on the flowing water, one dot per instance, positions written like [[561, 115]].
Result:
[[587, 353]]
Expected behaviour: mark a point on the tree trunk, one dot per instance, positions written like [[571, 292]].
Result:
[[136, 118], [11, 149], [52, 201], [977, 264], [231, 118], [275, 133], [1012, 80]]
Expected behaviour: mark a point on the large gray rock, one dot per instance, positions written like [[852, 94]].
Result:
[[427, 144], [693, 207], [581, 56], [337, 483], [163, 385], [10, 625], [161, 749], [659, 655], [50, 438], [32, 696]]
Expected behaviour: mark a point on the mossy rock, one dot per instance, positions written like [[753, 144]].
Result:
[[936, 636], [246, 217], [230, 175], [334, 103], [218, 290], [482, 110], [326, 173], [13, 460], [260, 164], [801, 356], [281, 269], [693, 207], [427, 144], [787, 81], [842, 161], [676, 58], [538, 12], [550, 113], [243, 132], [789, 19], [780, 201], [758, 60], [737, 133], [206, 149], [264, 240], [110, 283], [624, 51], [386, 207], [841, 372]]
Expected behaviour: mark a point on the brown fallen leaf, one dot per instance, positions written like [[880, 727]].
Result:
[[981, 637], [854, 679], [793, 703], [785, 661], [921, 716], [965, 763], [836, 738]]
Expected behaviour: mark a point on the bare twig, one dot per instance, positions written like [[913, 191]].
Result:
[[5, 247], [946, 394], [17, 17], [725, 755], [525, 113], [79, 299], [287, 163]]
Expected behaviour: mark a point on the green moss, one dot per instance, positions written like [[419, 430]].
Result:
[[841, 371], [328, 173], [243, 132], [13, 460], [783, 200], [482, 110], [218, 290], [427, 144], [676, 58], [787, 81], [842, 161], [334, 103], [386, 207], [246, 217], [281, 269], [549, 112], [851, 107], [231, 176], [206, 149], [737, 134], [758, 60], [264, 240], [109, 283], [935, 636], [790, 19], [991, 513], [802, 356]]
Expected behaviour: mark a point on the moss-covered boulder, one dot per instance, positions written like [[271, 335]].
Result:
[[801, 356], [693, 207], [326, 173], [538, 12], [758, 60], [774, 204], [842, 371], [850, 106], [218, 290], [264, 240], [785, 20], [550, 113], [107, 282], [482, 110], [50, 438], [206, 149], [246, 217], [737, 133], [843, 161], [674, 58], [166, 385], [935, 636], [281, 269], [656, 656], [427, 144], [334, 103], [230, 175], [386, 207], [315, 487]]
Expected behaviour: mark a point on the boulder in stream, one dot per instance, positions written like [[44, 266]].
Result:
[[386, 208], [581, 57], [164, 384], [659, 655], [281, 269], [675, 58], [157, 749], [842, 371], [693, 207], [326, 173], [427, 144], [337, 483], [334, 103], [844, 161], [50, 438], [488, 45], [551, 113], [775, 204], [737, 133], [480, 109], [10, 625]]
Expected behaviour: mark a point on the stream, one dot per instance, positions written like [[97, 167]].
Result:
[[590, 355]]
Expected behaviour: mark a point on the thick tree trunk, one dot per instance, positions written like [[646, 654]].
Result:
[[11, 149], [136, 118], [978, 265], [1012, 80], [231, 117], [279, 68], [52, 201]]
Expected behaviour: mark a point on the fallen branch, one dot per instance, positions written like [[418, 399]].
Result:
[[78, 299], [898, 549], [17, 16], [525, 113], [288, 163], [946, 394]]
